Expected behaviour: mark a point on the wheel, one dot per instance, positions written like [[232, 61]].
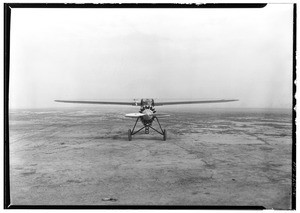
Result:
[[129, 135], [165, 134]]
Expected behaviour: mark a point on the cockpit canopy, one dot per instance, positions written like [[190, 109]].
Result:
[[147, 102]]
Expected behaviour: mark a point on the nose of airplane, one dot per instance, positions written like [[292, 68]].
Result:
[[148, 114]]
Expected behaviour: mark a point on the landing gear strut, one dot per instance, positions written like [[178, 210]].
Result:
[[146, 126]]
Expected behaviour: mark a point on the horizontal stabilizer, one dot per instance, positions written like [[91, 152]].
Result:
[[134, 115]]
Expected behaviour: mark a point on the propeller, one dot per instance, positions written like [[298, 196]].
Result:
[[134, 115], [160, 115]]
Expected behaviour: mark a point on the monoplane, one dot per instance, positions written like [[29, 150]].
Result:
[[147, 113]]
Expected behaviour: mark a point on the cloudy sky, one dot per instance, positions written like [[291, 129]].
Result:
[[95, 54]]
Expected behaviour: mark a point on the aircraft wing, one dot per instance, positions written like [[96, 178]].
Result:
[[101, 102], [193, 102], [137, 103]]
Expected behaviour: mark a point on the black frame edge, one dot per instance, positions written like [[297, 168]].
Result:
[[137, 5], [158, 207], [7, 22], [7, 19], [293, 195]]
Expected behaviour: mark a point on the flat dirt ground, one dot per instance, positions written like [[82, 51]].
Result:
[[82, 156]]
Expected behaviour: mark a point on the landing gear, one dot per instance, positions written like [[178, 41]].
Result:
[[165, 135], [129, 135], [147, 125]]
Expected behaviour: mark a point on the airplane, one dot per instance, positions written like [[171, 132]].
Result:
[[147, 113]]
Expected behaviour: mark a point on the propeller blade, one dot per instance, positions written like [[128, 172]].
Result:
[[134, 115], [161, 115]]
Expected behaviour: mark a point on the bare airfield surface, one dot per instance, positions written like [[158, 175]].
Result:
[[81, 156]]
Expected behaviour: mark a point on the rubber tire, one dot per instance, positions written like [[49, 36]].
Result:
[[129, 135], [165, 135]]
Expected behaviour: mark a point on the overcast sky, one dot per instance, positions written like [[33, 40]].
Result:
[[95, 54]]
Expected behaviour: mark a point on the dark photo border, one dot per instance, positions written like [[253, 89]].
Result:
[[7, 27]]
